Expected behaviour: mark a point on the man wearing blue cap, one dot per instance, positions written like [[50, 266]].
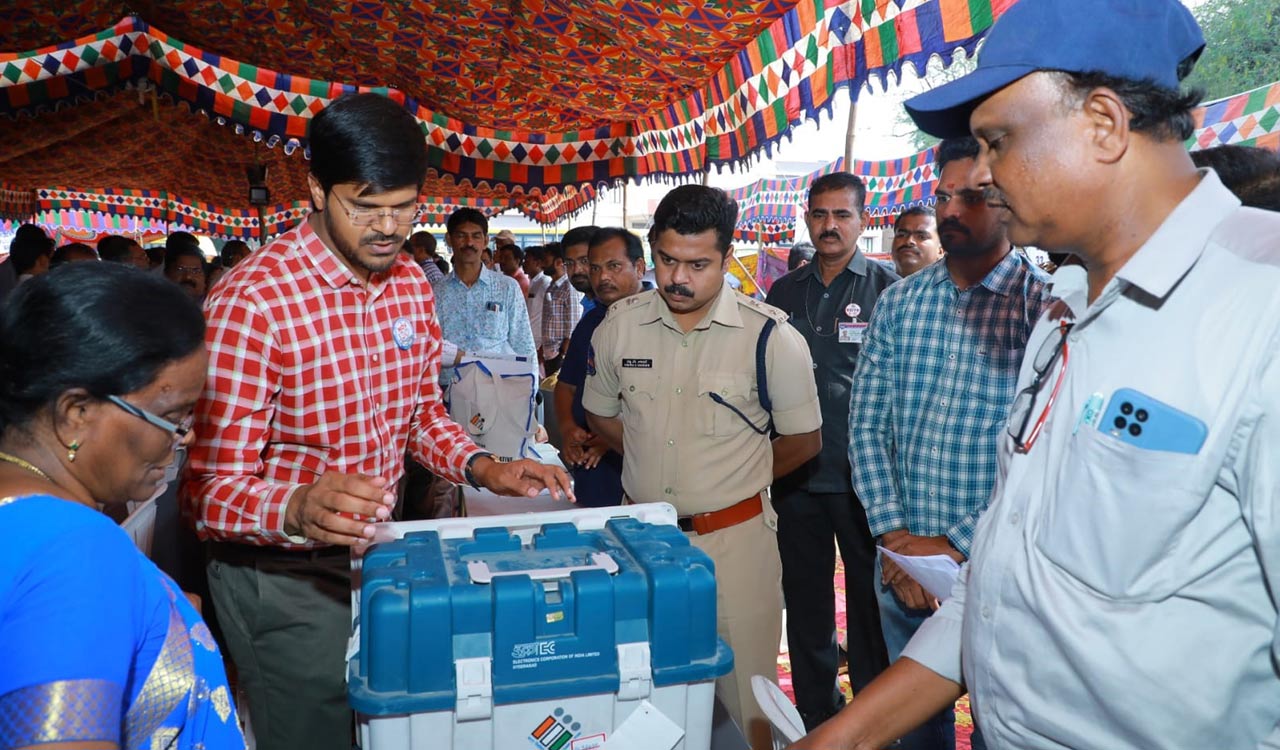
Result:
[[1123, 585]]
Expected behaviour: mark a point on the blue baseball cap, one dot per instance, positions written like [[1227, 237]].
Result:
[[1137, 40]]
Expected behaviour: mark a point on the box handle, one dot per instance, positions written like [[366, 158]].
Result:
[[480, 571]]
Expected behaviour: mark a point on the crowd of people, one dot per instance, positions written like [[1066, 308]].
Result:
[[1096, 447]]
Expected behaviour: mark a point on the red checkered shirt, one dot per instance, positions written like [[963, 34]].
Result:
[[310, 371]]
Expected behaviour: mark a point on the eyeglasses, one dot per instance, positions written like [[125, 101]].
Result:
[[967, 197], [179, 431], [363, 217], [1023, 404]]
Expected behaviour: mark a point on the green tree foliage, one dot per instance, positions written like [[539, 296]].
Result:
[[1242, 46], [935, 75]]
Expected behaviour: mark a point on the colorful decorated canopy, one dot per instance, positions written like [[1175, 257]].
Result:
[[1251, 118], [768, 209], [515, 100]]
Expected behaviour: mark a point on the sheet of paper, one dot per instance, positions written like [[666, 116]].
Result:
[[936, 573], [646, 728]]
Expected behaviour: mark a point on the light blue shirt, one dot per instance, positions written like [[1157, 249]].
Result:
[[1120, 596], [489, 317]]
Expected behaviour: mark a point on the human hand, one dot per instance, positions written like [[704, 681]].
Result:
[[337, 508], [830, 735], [523, 477], [592, 451], [574, 439], [911, 594], [920, 546]]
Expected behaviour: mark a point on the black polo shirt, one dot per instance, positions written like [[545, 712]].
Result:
[[833, 320]]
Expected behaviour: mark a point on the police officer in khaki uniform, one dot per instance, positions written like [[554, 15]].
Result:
[[672, 384]]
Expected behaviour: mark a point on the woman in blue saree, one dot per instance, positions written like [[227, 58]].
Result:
[[100, 369]]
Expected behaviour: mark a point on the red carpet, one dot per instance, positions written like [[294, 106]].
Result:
[[964, 720]]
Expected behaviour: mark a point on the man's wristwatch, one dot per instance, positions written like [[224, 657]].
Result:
[[467, 472]]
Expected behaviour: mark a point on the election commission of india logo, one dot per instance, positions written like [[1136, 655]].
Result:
[[555, 732]]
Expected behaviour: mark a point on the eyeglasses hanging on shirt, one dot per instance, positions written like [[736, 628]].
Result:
[[1021, 427]]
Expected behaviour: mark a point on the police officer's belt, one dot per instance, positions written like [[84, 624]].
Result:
[[705, 523]]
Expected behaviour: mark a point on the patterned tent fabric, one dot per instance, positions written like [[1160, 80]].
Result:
[[768, 209], [513, 98], [16, 202], [1251, 118]]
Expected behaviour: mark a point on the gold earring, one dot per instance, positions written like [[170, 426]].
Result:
[[71, 450]]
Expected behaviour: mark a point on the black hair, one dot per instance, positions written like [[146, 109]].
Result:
[[425, 238], [537, 252], [66, 254], [634, 247], [914, 211], [955, 149], [179, 245], [694, 209], [443, 265], [829, 183], [29, 245], [466, 215], [70, 329], [1253, 174], [513, 248], [578, 236], [553, 251], [800, 252], [115, 248], [224, 255], [1161, 113], [368, 140]]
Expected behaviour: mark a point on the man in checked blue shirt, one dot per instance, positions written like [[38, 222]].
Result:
[[930, 396]]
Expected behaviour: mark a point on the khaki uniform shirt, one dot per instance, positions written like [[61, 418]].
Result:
[[681, 446]]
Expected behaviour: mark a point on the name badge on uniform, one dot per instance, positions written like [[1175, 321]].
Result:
[[402, 332], [851, 333], [643, 364]]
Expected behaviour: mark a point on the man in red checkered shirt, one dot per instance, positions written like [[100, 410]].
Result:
[[324, 352]]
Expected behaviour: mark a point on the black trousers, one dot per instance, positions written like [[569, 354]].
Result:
[[809, 527]]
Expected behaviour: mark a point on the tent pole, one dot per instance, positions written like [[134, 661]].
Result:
[[760, 256], [849, 136], [624, 205]]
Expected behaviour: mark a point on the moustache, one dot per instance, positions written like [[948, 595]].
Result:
[[829, 236], [951, 225], [679, 289], [380, 239]]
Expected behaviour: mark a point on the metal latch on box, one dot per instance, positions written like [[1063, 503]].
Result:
[[474, 678], [635, 676]]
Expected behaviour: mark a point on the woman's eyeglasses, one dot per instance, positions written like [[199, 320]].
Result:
[[179, 430], [1021, 428]]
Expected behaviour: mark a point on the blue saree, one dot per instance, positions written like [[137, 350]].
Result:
[[96, 644]]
